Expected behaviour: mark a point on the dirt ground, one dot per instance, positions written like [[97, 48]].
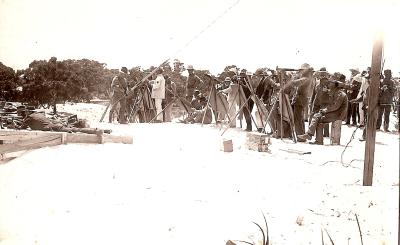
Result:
[[174, 185]]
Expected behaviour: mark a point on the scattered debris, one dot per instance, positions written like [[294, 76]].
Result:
[[296, 151], [257, 141], [359, 229], [300, 220], [229, 242]]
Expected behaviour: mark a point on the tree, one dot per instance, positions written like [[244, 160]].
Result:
[[51, 82], [8, 83]]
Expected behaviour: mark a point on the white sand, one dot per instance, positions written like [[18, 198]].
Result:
[[174, 185]]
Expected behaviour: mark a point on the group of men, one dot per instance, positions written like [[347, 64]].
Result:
[[284, 99], [150, 101]]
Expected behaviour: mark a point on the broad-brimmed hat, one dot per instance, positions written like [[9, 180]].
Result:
[[305, 66], [260, 72], [189, 67], [228, 79], [233, 69], [387, 72], [355, 70]]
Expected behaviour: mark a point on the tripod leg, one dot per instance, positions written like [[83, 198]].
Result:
[[105, 111], [205, 109], [240, 109], [161, 112]]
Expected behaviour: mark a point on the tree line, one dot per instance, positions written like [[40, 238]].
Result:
[[48, 82]]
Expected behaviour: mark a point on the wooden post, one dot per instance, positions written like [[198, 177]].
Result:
[[336, 130], [372, 94]]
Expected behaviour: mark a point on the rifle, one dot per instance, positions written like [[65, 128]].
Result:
[[286, 69]]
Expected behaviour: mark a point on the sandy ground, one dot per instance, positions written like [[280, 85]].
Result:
[[174, 185]]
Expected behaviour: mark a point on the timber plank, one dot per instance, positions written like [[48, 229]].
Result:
[[18, 135], [39, 142]]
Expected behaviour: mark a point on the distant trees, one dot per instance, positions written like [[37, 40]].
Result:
[[8, 83], [48, 82]]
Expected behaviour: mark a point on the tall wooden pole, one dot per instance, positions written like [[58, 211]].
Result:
[[372, 111]]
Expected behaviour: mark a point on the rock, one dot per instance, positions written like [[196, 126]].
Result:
[[229, 242], [300, 220]]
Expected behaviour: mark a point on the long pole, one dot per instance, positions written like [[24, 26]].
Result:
[[281, 82], [372, 94]]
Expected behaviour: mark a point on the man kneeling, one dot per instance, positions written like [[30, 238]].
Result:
[[337, 110]]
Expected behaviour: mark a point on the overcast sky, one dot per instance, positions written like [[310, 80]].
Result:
[[337, 34]]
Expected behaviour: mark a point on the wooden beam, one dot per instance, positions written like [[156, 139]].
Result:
[[13, 136], [373, 95], [38, 142]]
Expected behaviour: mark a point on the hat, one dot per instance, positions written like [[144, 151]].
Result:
[[259, 72], [227, 79], [356, 70], [233, 69], [189, 67], [160, 70], [387, 72], [305, 66], [243, 71], [322, 73], [322, 69], [124, 69]]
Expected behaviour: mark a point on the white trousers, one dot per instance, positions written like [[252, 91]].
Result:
[[158, 103], [361, 111]]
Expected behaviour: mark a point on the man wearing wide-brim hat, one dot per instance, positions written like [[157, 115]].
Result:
[[301, 88], [354, 71], [193, 82], [321, 73], [387, 90], [336, 110]]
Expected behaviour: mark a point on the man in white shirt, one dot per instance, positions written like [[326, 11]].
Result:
[[364, 85], [158, 93]]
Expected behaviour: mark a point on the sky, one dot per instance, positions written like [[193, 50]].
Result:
[[207, 34]]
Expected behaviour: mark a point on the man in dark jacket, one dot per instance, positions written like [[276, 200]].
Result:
[[193, 82], [385, 100], [119, 87], [243, 81], [352, 91], [337, 110], [319, 100], [299, 88]]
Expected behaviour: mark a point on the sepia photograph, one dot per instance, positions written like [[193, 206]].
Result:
[[225, 122]]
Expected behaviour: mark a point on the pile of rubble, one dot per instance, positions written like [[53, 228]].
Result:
[[10, 117]]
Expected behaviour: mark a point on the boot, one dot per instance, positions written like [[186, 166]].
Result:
[[316, 142], [303, 137]]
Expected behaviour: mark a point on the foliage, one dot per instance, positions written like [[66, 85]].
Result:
[[8, 83], [47, 82], [51, 82]]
